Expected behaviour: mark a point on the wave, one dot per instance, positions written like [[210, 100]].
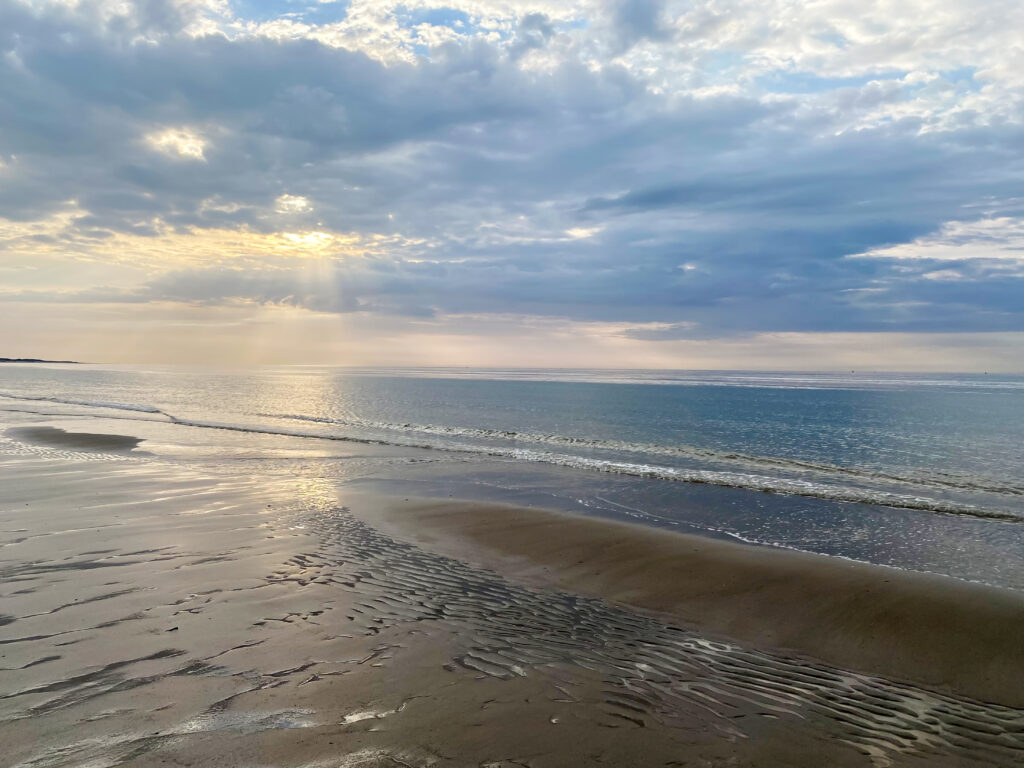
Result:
[[744, 379], [728, 479], [765, 484], [87, 403], [779, 485], [948, 480]]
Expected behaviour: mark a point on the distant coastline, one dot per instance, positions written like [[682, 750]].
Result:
[[35, 360]]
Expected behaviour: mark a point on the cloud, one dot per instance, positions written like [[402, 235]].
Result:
[[690, 170], [293, 204], [183, 143], [992, 238], [636, 20]]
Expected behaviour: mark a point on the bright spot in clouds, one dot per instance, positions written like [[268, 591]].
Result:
[[582, 233], [292, 204], [182, 143], [318, 240]]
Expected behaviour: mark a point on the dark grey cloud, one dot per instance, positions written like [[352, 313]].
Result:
[[636, 20], [534, 32]]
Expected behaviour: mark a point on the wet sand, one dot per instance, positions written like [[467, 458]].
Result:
[[159, 614], [80, 441], [945, 633]]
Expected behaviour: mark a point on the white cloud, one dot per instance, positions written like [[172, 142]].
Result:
[[180, 143], [999, 239], [582, 233], [293, 204]]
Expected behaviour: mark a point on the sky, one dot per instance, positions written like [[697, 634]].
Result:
[[584, 183]]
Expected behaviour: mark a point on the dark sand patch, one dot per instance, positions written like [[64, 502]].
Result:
[[53, 437], [930, 630]]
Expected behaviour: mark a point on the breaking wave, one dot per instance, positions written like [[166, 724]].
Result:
[[758, 473], [744, 480], [764, 463], [86, 403]]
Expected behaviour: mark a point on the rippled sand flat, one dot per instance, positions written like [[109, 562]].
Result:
[[158, 614], [922, 627]]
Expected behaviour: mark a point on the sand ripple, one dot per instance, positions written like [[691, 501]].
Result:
[[653, 670]]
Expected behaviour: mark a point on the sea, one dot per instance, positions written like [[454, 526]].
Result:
[[913, 471]]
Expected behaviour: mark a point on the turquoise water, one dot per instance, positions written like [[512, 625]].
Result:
[[919, 471]]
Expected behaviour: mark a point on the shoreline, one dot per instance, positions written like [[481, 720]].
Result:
[[159, 611], [153, 614], [919, 628]]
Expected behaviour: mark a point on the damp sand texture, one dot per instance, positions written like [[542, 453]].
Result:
[[155, 614]]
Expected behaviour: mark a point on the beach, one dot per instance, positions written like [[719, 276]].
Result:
[[511, 384], [162, 614], [947, 633]]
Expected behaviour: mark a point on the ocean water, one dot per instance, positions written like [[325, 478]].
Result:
[[914, 471]]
